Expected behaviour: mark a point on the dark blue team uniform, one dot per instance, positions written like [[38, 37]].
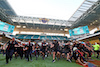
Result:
[[10, 50]]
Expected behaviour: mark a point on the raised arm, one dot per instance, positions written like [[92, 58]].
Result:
[[4, 46]]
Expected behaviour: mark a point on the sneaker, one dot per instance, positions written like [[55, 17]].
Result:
[[86, 62], [6, 63], [69, 60], [36, 55], [97, 57], [53, 61], [45, 55], [10, 59]]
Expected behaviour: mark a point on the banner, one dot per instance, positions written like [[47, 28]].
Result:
[[79, 31], [6, 27]]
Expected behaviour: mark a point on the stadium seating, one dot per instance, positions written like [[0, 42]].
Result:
[[26, 36], [42, 37], [54, 37], [29, 37], [49, 37], [60, 37], [12, 35], [65, 38], [36, 37], [20, 36]]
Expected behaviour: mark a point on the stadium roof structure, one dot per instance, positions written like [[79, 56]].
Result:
[[5, 7], [41, 23], [5, 11], [86, 14]]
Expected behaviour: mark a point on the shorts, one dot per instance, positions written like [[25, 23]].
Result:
[[62, 52], [75, 57], [15, 50], [40, 49], [67, 51], [98, 51], [29, 51], [49, 49], [43, 50], [56, 50]]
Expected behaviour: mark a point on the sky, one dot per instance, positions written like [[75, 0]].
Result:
[[52, 9]]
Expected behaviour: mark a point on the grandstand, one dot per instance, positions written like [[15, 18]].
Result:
[[26, 36], [24, 28], [51, 26], [94, 38]]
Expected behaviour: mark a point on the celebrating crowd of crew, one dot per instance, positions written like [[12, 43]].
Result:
[[72, 50]]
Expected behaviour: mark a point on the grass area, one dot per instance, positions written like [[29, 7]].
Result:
[[36, 63], [95, 57]]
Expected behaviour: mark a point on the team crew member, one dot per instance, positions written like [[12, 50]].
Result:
[[10, 49], [67, 51], [55, 49], [80, 48], [25, 49], [29, 50], [20, 50], [78, 56], [43, 48], [87, 50], [37, 49], [48, 49], [96, 49], [62, 50], [89, 47]]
